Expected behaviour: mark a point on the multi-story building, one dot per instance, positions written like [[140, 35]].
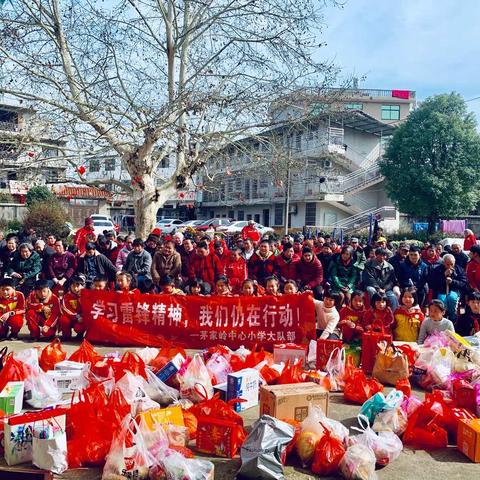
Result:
[[334, 178], [28, 155]]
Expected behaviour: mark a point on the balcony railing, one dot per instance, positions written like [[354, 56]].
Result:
[[368, 92]]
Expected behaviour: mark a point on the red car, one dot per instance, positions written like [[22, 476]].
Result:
[[213, 223]]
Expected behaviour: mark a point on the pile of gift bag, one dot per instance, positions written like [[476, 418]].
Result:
[[150, 412]]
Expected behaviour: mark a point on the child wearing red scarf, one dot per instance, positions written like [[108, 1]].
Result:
[[378, 318], [43, 311]]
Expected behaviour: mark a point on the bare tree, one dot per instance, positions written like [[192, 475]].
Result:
[[148, 79]]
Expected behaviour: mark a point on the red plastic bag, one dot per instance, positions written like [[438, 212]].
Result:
[[51, 355], [85, 353], [359, 388], [324, 350], [404, 386], [298, 428], [424, 435], [411, 354], [291, 374], [191, 423], [370, 341], [254, 358], [13, 371], [130, 362], [328, 454], [269, 374]]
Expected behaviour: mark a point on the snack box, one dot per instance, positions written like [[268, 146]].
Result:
[[171, 368], [11, 398], [68, 365], [67, 381], [468, 438], [243, 384]]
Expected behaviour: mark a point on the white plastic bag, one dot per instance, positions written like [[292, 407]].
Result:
[[336, 369], [394, 420], [219, 368], [316, 417], [128, 462], [386, 445], [312, 354], [159, 391], [177, 467], [50, 453], [147, 354], [242, 352], [132, 387], [358, 463], [42, 390], [195, 383]]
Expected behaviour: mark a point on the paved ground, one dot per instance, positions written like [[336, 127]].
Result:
[[412, 465]]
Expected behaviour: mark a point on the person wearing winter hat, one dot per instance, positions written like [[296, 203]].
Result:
[[84, 235]]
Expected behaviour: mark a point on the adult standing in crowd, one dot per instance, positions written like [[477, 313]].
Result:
[[398, 258], [186, 254], [93, 264], [250, 231], [61, 267], [469, 239], [123, 253], [285, 264], [413, 272], [261, 264], [25, 268], [461, 258], [447, 281], [359, 258], [167, 261], [206, 267], [473, 269], [248, 249], [85, 235], [379, 277], [139, 264]]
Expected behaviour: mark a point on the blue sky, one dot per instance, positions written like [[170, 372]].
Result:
[[430, 46]]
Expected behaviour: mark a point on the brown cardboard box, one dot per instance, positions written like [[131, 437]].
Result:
[[292, 400], [468, 438]]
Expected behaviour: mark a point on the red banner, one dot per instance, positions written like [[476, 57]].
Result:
[[196, 322]]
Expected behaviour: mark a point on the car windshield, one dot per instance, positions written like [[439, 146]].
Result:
[[100, 223]]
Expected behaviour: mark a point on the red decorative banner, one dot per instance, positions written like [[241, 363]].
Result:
[[197, 322]]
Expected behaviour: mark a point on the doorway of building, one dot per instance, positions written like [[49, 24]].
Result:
[[266, 217]]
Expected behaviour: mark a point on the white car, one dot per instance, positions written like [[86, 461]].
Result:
[[236, 227], [100, 225], [169, 225], [191, 223]]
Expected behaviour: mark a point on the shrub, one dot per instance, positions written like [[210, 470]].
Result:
[[46, 217], [14, 225], [39, 194], [6, 198]]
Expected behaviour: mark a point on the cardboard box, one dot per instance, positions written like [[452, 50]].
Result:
[[289, 351], [11, 398], [468, 438], [243, 384], [67, 381], [68, 365], [292, 400], [171, 368], [170, 415]]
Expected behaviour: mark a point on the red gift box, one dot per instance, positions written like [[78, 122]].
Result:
[[324, 350], [289, 351], [218, 436], [465, 395], [370, 341]]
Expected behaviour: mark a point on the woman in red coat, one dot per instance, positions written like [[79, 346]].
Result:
[[236, 269], [470, 240]]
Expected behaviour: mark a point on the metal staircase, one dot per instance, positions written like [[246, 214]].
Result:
[[360, 179], [362, 219]]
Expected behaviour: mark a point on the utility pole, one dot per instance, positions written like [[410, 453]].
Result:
[[287, 193]]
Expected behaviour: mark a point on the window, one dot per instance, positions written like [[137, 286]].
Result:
[[298, 140], [165, 163], [278, 220], [238, 184], [249, 216], [52, 176], [241, 215], [254, 188], [94, 165], [257, 218], [229, 186], [247, 188], [390, 112], [353, 106], [50, 152], [110, 165], [231, 214], [263, 183], [310, 213]]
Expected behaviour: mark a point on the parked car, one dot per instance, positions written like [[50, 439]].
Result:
[[191, 223], [213, 223], [236, 227], [100, 225], [169, 225], [105, 218]]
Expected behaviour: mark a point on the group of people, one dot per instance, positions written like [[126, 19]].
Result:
[[355, 287]]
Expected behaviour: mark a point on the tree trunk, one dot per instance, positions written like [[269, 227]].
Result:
[[431, 224]]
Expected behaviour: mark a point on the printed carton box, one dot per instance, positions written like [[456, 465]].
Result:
[[243, 384]]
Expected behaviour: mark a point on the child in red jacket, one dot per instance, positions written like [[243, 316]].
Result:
[[12, 309], [351, 317], [43, 311], [379, 318], [71, 316]]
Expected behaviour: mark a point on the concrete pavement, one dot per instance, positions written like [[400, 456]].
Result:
[[412, 465]]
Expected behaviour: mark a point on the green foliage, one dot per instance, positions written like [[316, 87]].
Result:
[[46, 217], [39, 194], [14, 225], [431, 163]]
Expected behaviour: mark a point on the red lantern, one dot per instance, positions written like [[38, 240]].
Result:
[[81, 170], [31, 154]]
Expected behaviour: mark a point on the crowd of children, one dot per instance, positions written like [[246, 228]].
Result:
[[355, 288]]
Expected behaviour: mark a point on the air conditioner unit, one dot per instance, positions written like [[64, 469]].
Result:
[[293, 209]]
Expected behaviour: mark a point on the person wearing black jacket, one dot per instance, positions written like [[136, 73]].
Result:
[[93, 264], [447, 281], [469, 323], [7, 253]]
